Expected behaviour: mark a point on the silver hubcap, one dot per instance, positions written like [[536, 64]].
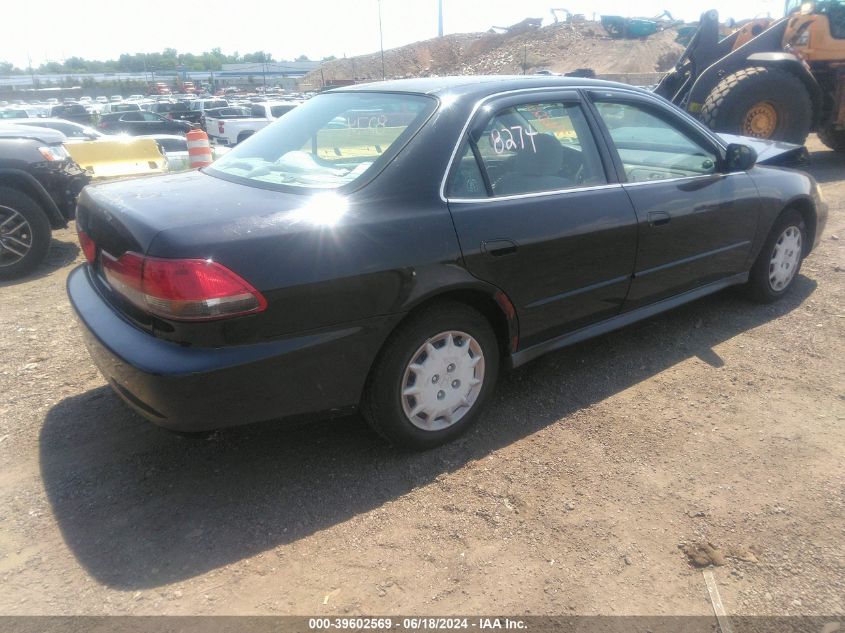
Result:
[[785, 258], [443, 380], [15, 236]]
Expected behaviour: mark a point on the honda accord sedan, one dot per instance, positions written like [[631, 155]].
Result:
[[452, 227]]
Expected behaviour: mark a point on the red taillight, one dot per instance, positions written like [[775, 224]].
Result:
[[182, 289], [87, 244], [220, 127]]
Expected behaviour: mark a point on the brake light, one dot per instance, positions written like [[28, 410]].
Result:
[[220, 127], [182, 289], [89, 248]]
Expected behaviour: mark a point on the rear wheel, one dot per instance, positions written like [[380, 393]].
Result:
[[767, 103], [433, 377], [833, 138], [24, 234], [779, 262]]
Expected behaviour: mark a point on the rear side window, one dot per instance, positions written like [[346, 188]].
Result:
[[132, 116], [538, 147], [467, 180]]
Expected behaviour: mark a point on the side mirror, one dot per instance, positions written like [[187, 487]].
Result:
[[740, 157]]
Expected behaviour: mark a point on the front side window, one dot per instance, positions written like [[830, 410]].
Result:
[[330, 141], [653, 148], [538, 147]]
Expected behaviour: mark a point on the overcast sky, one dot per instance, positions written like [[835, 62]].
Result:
[[96, 29]]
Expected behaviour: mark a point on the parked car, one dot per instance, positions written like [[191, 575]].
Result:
[[396, 265], [13, 113], [198, 107], [39, 184], [178, 111], [230, 112], [102, 99], [73, 132], [140, 122], [111, 108], [222, 131], [70, 112]]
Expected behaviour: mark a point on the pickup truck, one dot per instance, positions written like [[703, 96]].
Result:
[[197, 109], [231, 131]]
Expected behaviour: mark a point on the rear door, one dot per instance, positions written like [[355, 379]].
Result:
[[696, 222], [133, 123], [539, 215]]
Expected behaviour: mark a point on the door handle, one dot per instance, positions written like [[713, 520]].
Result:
[[499, 248], [659, 218]]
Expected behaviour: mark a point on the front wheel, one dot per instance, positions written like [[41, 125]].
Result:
[[766, 103], [833, 138], [433, 377], [778, 264], [24, 234]]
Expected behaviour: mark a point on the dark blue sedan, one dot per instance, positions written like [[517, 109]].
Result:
[[390, 247]]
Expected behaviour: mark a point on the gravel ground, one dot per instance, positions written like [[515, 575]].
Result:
[[600, 473]]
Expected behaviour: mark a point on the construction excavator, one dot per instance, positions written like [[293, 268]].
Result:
[[770, 79], [633, 28]]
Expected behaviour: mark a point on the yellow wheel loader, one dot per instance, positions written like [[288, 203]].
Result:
[[775, 80]]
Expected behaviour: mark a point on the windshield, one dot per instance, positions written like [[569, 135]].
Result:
[[330, 141]]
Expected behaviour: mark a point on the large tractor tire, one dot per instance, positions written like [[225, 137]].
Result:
[[834, 139], [766, 103]]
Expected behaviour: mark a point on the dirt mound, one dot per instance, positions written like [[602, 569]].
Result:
[[560, 47]]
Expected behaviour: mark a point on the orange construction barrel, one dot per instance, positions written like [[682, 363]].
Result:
[[199, 151]]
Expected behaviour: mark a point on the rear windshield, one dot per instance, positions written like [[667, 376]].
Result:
[[279, 110], [330, 141]]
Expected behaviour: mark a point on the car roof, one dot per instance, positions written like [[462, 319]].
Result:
[[480, 85], [39, 121], [42, 134]]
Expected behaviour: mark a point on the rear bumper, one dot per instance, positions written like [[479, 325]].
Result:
[[199, 389]]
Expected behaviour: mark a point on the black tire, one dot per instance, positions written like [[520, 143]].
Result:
[[759, 287], [244, 136], [40, 234], [834, 139], [382, 403], [727, 107]]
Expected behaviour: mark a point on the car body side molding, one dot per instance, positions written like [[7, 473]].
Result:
[[694, 258], [627, 318]]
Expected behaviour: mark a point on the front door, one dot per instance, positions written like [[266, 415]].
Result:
[[696, 223], [539, 214]]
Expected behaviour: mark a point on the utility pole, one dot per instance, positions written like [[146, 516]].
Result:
[[439, 18], [381, 40], [31, 72], [264, 69]]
